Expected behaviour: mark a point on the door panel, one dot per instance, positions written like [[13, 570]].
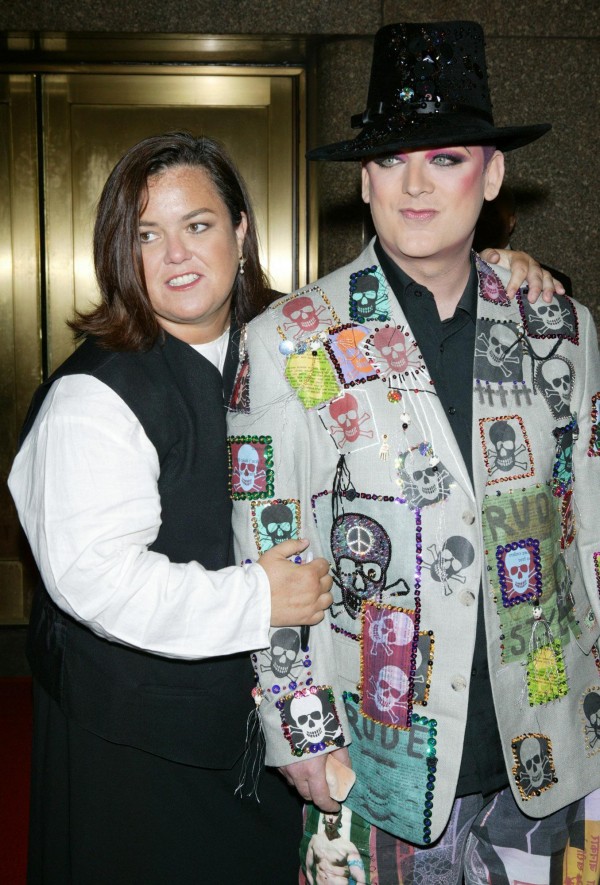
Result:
[[90, 120], [86, 122], [20, 328]]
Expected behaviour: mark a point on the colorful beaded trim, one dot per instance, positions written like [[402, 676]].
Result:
[[594, 448]]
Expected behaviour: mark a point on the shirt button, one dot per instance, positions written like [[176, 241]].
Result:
[[468, 517], [467, 597], [418, 293], [451, 410], [441, 348], [458, 683]]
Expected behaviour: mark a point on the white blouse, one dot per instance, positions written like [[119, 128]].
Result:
[[85, 484]]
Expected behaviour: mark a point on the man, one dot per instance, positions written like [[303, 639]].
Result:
[[455, 496]]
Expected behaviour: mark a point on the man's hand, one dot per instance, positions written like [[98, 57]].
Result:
[[299, 592], [524, 269], [308, 777]]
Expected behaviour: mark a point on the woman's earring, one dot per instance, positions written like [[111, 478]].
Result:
[[242, 263]]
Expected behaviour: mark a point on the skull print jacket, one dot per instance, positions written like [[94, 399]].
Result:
[[350, 447]]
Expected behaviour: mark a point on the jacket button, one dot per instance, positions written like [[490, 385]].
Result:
[[467, 597], [459, 683], [468, 517]]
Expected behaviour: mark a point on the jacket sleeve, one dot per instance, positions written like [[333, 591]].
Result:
[[586, 468], [275, 418]]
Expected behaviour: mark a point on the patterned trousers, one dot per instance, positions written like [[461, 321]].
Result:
[[487, 842]]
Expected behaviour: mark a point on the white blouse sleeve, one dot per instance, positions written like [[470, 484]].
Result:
[[85, 486]]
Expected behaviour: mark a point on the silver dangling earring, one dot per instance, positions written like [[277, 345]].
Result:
[[242, 263]]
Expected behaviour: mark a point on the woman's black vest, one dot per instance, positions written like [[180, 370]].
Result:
[[190, 712]]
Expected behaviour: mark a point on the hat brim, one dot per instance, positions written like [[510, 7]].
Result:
[[437, 131]]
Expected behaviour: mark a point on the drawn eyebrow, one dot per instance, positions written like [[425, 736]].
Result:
[[204, 210]]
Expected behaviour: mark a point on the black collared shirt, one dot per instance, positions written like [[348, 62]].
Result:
[[448, 348]]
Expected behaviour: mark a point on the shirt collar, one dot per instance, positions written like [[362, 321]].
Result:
[[404, 286]]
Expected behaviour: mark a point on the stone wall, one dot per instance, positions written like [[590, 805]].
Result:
[[543, 66]]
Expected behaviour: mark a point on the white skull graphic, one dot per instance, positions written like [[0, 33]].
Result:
[[557, 381], [426, 479], [247, 466], [501, 339], [302, 312], [533, 760], [391, 344], [390, 630], [519, 569], [345, 412], [552, 316], [502, 437], [307, 713], [285, 645], [365, 294], [391, 688]]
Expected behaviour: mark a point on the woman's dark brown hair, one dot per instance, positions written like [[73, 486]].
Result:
[[124, 319]]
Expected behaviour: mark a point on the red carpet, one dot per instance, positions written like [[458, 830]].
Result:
[[15, 750]]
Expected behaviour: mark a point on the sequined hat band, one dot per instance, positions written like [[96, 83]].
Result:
[[428, 87]]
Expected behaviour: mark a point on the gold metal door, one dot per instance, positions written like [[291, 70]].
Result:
[[20, 327], [91, 119], [86, 122]]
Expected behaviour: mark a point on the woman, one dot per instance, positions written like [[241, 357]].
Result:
[[141, 693]]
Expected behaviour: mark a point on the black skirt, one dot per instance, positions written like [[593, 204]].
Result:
[[107, 814]]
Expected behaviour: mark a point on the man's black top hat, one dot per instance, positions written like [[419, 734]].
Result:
[[428, 88]]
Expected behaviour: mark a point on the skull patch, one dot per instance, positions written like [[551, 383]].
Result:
[[282, 658], [394, 353], [448, 564], [388, 653], [310, 721], [554, 379], [274, 521], [361, 551], [591, 716], [534, 768], [491, 287], [506, 448], [349, 421], [558, 319], [369, 296], [251, 467], [498, 354], [423, 478], [423, 667], [306, 313], [519, 571]]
